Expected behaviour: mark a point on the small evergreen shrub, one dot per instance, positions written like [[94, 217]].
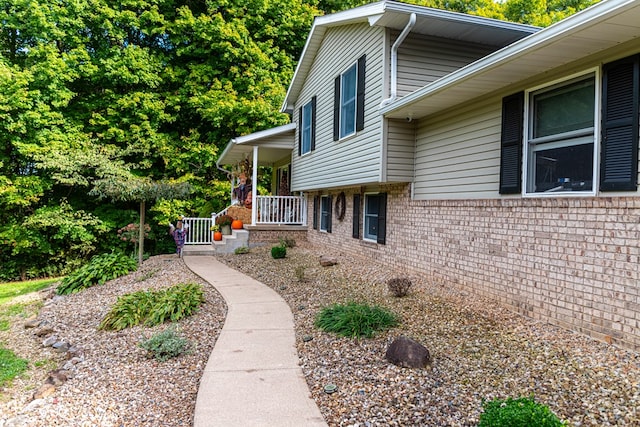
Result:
[[165, 345], [399, 287], [279, 251], [355, 320], [99, 270], [154, 307], [241, 250], [522, 412]]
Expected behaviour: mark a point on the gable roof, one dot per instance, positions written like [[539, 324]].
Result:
[[593, 30], [274, 144], [395, 15]]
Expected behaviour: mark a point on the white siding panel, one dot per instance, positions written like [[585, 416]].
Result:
[[422, 59], [458, 156], [355, 160]]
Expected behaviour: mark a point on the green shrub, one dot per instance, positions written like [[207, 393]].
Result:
[[241, 250], [99, 270], [165, 345], [355, 320], [10, 365], [279, 251], [522, 412], [154, 307]]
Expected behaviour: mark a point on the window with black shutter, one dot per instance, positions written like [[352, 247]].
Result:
[[349, 97], [511, 144], [619, 152]]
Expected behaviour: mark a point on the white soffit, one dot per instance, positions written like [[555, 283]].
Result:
[[593, 30], [273, 144]]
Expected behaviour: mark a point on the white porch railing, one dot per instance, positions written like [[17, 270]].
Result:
[[281, 210], [276, 210]]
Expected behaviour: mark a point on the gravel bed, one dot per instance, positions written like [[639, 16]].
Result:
[[479, 351], [113, 383]]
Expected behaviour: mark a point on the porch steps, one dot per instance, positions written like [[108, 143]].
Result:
[[228, 244]]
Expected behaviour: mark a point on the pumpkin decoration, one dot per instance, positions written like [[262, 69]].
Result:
[[236, 224], [217, 236]]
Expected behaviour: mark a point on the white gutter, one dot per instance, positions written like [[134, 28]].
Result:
[[394, 60]]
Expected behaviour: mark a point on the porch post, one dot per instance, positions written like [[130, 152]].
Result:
[[254, 187]]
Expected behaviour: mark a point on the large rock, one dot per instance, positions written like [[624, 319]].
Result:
[[327, 261], [407, 353]]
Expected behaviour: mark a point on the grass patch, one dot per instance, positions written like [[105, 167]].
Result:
[[10, 365], [10, 290], [355, 320]]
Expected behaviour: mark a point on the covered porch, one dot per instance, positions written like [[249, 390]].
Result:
[[272, 148]]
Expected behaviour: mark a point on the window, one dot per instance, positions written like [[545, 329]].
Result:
[[375, 214], [307, 134], [348, 113], [566, 138], [561, 137], [348, 102], [325, 213]]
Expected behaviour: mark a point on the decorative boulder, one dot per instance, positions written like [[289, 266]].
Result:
[[407, 353], [327, 261]]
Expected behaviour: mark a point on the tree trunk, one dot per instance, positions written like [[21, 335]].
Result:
[[141, 234]]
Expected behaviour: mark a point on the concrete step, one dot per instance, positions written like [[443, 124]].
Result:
[[228, 244]]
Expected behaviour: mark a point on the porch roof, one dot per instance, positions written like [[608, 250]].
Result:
[[592, 31], [273, 144]]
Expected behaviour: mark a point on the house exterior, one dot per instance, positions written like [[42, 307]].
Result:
[[495, 157], [498, 158]]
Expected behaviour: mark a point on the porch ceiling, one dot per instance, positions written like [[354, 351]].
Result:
[[594, 30], [273, 144]]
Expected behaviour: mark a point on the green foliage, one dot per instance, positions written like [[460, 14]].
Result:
[[223, 220], [279, 251], [11, 290], [241, 250], [154, 307], [355, 320], [10, 365], [99, 270], [165, 345], [522, 412]]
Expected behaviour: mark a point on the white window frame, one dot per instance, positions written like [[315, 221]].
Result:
[[561, 140], [323, 198], [306, 128], [351, 100], [365, 237]]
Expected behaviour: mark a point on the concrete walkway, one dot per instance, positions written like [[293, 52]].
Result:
[[252, 377]]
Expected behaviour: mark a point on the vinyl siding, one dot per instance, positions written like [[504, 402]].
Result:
[[400, 151], [458, 155], [423, 59], [355, 160]]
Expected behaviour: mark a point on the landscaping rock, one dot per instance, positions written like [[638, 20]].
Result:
[[327, 261], [407, 353], [45, 390], [50, 341], [61, 346], [42, 331], [32, 322]]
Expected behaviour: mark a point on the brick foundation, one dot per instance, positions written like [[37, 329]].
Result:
[[573, 262]]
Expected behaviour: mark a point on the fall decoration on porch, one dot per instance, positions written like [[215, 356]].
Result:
[[236, 224], [217, 236]]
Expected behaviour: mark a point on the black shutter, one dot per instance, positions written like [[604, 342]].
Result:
[[619, 157], [316, 203], [313, 123], [300, 133], [360, 93], [382, 218], [511, 144], [336, 109], [329, 214], [356, 216]]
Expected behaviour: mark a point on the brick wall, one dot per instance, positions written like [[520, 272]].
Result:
[[574, 262]]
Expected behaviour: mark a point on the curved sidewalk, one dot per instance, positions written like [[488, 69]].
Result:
[[252, 377]]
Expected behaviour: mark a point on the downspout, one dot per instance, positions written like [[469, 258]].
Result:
[[394, 60]]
